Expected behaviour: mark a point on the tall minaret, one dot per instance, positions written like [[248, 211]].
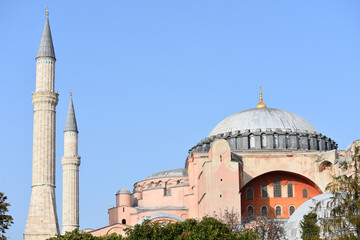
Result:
[[42, 220], [70, 163]]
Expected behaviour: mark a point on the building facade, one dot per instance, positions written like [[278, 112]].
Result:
[[261, 161]]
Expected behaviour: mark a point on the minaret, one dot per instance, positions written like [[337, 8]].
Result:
[[42, 220], [70, 162]]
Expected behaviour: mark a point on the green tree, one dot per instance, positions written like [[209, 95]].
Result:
[[5, 220], [207, 229], [309, 228], [76, 235], [342, 218]]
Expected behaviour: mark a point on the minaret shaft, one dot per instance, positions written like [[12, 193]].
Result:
[[42, 220], [70, 162]]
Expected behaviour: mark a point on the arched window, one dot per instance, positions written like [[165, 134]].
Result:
[[123, 221], [252, 141], [290, 190], [277, 187], [250, 210], [250, 194], [278, 211], [305, 193], [264, 192], [276, 140], [291, 210], [264, 211], [263, 140], [287, 140]]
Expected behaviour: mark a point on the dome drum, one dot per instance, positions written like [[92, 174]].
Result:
[[279, 140]]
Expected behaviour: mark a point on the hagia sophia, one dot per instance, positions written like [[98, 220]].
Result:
[[259, 161]]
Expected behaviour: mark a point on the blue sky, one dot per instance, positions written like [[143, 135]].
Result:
[[150, 79]]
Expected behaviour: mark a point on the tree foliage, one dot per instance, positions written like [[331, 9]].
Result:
[[191, 229], [5, 220], [342, 218], [265, 227], [309, 228], [76, 235]]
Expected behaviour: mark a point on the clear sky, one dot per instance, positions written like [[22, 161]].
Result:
[[150, 79]]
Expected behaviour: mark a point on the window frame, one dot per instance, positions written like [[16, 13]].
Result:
[[247, 193], [276, 209], [277, 188]]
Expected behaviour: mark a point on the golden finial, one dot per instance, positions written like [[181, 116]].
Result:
[[261, 104], [70, 93], [47, 11]]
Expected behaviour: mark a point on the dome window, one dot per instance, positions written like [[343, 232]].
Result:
[[287, 141], [290, 190], [264, 192], [277, 188], [249, 194], [278, 211], [263, 140], [252, 141], [276, 140], [291, 210], [250, 210], [264, 211]]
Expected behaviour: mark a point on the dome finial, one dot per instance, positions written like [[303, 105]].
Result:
[[47, 11], [261, 104]]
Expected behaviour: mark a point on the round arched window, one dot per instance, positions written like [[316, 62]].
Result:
[[250, 210], [278, 211], [264, 211], [291, 210], [263, 140]]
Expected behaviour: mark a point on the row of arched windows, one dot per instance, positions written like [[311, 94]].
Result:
[[264, 210], [263, 141], [277, 190]]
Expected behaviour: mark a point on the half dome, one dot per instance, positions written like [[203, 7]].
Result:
[[263, 118]]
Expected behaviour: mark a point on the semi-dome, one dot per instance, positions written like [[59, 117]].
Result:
[[263, 119]]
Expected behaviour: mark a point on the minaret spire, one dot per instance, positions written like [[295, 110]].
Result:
[[46, 48], [70, 162], [261, 104], [70, 124]]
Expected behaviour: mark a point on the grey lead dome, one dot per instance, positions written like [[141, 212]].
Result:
[[263, 118], [123, 191]]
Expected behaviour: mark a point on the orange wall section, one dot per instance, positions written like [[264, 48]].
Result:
[[298, 182]]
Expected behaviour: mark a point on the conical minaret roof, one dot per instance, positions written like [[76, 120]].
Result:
[[70, 124], [46, 48]]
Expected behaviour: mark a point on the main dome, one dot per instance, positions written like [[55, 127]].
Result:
[[263, 118]]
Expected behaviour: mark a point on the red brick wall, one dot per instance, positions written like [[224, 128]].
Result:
[[298, 182]]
